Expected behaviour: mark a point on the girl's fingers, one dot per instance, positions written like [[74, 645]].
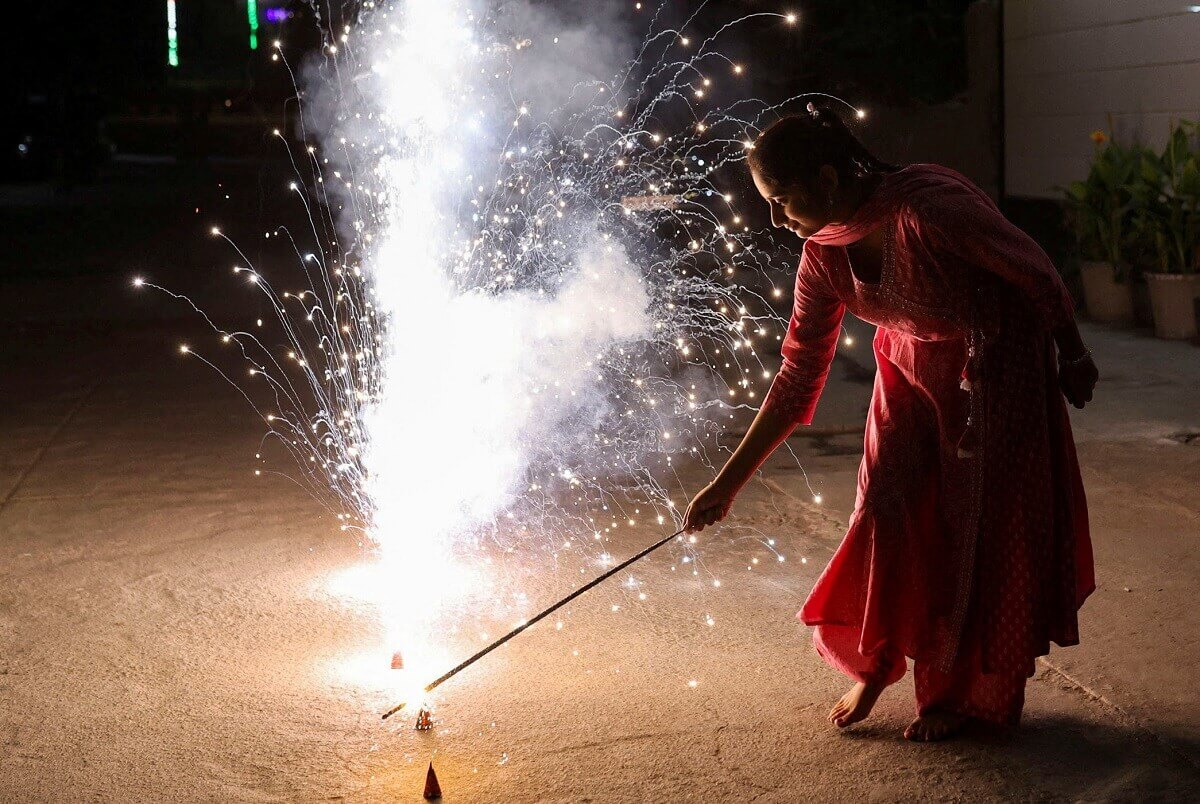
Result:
[[701, 520], [697, 519], [1068, 389]]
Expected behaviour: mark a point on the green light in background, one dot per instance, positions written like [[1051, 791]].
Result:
[[172, 35], [252, 16]]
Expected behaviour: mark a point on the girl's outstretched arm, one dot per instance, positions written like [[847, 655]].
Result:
[[769, 429], [807, 352]]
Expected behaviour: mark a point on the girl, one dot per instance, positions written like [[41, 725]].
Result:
[[968, 549]]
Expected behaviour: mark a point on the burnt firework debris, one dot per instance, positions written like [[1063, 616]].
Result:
[[433, 790]]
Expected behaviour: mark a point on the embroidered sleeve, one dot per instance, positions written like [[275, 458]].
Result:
[[808, 347], [959, 222]]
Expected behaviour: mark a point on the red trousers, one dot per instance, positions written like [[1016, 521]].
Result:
[[966, 690]]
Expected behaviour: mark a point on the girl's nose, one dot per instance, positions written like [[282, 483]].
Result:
[[777, 216]]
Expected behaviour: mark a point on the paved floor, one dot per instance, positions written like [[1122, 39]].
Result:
[[166, 632]]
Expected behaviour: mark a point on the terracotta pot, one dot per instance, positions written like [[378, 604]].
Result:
[[1107, 301], [1176, 302]]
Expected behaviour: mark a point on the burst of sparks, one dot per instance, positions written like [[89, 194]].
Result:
[[517, 319]]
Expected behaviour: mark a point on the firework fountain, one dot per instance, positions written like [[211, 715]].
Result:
[[527, 301]]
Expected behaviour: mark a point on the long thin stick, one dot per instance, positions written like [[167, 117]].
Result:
[[468, 662]]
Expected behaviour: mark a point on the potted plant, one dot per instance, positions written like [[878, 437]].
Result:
[[1140, 249], [1100, 207], [1166, 227]]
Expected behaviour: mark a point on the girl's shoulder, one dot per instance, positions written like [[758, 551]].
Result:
[[933, 195], [926, 185]]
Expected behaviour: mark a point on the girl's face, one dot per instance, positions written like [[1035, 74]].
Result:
[[793, 208]]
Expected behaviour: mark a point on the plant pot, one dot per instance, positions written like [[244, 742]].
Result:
[[1176, 301], [1107, 300]]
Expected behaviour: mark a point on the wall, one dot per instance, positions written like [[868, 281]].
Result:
[[963, 134], [1071, 66]]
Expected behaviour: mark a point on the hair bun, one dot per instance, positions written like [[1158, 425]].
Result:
[[822, 115]]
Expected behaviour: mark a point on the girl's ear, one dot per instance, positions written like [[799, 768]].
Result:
[[829, 179]]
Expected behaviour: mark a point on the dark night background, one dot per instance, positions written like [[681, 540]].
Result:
[[87, 81], [109, 156]]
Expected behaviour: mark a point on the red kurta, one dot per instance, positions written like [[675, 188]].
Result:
[[968, 549]]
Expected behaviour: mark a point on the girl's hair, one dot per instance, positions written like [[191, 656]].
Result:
[[792, 150]]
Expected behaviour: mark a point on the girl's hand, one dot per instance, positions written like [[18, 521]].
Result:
[[1078, 380], [708, 507]]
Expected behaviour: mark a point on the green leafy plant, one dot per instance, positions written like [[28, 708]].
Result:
[[1166, 220], [1146, 243], [1101, 205]]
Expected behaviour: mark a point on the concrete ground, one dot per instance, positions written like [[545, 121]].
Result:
[[167, 633]]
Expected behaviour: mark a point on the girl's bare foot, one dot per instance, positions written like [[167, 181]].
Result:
[[855, 705], [934, 726]]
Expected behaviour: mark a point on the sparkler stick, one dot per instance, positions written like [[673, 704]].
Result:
[[547, 612]]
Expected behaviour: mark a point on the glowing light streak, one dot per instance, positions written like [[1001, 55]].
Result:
[[172, 35], [252, 18]]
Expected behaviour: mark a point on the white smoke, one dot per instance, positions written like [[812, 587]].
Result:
[[477, 395], [566, 50], [476, 382]]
